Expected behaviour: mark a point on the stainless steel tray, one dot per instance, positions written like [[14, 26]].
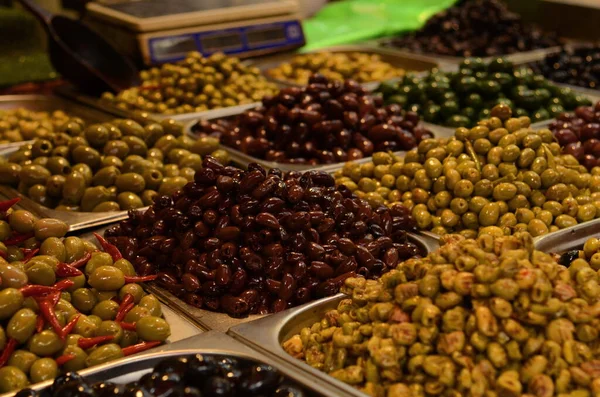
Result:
[[75, 220], [283, 326], [407, 62], [131, 368], [569, 238], [96, 103], [210, 320], [48, 103]]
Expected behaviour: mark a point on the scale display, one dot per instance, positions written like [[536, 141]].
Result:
[[165, 31], [230, 41]]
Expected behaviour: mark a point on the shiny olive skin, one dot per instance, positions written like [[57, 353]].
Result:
[[76, 363], [152, 328], [110, 328], [153, 178], [130, 182], [41, 273], [136, 145], [151, 303], [54, 185], [148, 197], [54, 246], [84, 300], [22, 324], [106, 310], [129, 200], [125, 266], [73, 188], [135, 290], [98, 259], [22, 359], [136, 314], [58, 165], [107, 206], [45, 343], [11, 379], [170, 185], [74, 248], [85, 327], [12, 277], [104, 353], [118, 149], [34, 174], [107, 278], [97, 135], [43, 369], [21, 221], [49, 227], [106, 176], [9, 173], [86, 155], [94, 196]]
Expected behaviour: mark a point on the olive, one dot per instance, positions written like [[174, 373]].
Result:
[[107, 206], [45, 343], [22, 324], [23, 360], [86, 155], [43, 369], [21, 221], [11, 379], [49, 227], [73, 188], [104, 353], [93, 196], [130, 182], [58, 165], [106, 176], [34, 174]]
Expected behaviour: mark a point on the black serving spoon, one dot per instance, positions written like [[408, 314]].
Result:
[[82, 56]]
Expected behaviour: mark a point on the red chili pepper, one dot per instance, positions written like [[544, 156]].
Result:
[[65, 358], [5, 205], [127, 326], [63, 285], [124, 307], [109, 248], [39, 325], [36, 290], [69, 327], [81, 261], [140, 347], [139, 279], [46, 306], [17, 238], [86, 343], [9, 348], [4, 254], [54, 298], [66, 270], [29, 253]]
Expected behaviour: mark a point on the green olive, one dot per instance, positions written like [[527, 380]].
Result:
[[74, 187], [43, 369], [74, 248], [125, 266], [10, 173], [23, 360], [12, 276], [49, 227], [151, 303], [41, 273], [93, 196], [136, 313], [12, 379], [110, 328], [85, 327], [152, 328], [135, 290], [86, 155], [206, 145], [129, 200], [148, 196], [84, 300], [34, 174], [78, 362], [130, 182], [104, 353], [58, 166], [97, 135], [116, 148], [54, 246], [107, 206], [22, 324], [107, 278], [98, 259], [106, 310], [136, 145], [45, 343], [21, 221]]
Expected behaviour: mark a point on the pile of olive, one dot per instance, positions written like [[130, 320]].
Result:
[[194, 84], [460, 99], [21, 124], [340, 66], [247, 242], [65, 305], [322, 123], [579, 67], [112, 166], [579, 134], [490, 316], [499, 177], [207, 375], [475, 28]]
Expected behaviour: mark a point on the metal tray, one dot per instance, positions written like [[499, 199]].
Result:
[[408, 62], [569, 238], [48, 103], [96, 103], [131, 368], [284, 325], [210, 320], [75, 220]]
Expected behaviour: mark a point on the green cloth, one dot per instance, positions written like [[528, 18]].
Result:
[[350, 21], [22, 54]]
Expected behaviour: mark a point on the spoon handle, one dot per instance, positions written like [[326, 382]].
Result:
[[41, 13]]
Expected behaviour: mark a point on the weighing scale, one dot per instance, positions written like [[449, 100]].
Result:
[[159, 31]]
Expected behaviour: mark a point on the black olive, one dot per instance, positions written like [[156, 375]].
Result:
[[200, 367], [217, 386], [74, 388], [176, 365], [289, 391], [134, 390], [567, 257], [106, 389], [260, 379], [66, 378], [27, 393]]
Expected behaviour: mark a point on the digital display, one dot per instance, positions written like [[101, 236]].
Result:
[[173, 46], [221, 42], [266, 35]]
